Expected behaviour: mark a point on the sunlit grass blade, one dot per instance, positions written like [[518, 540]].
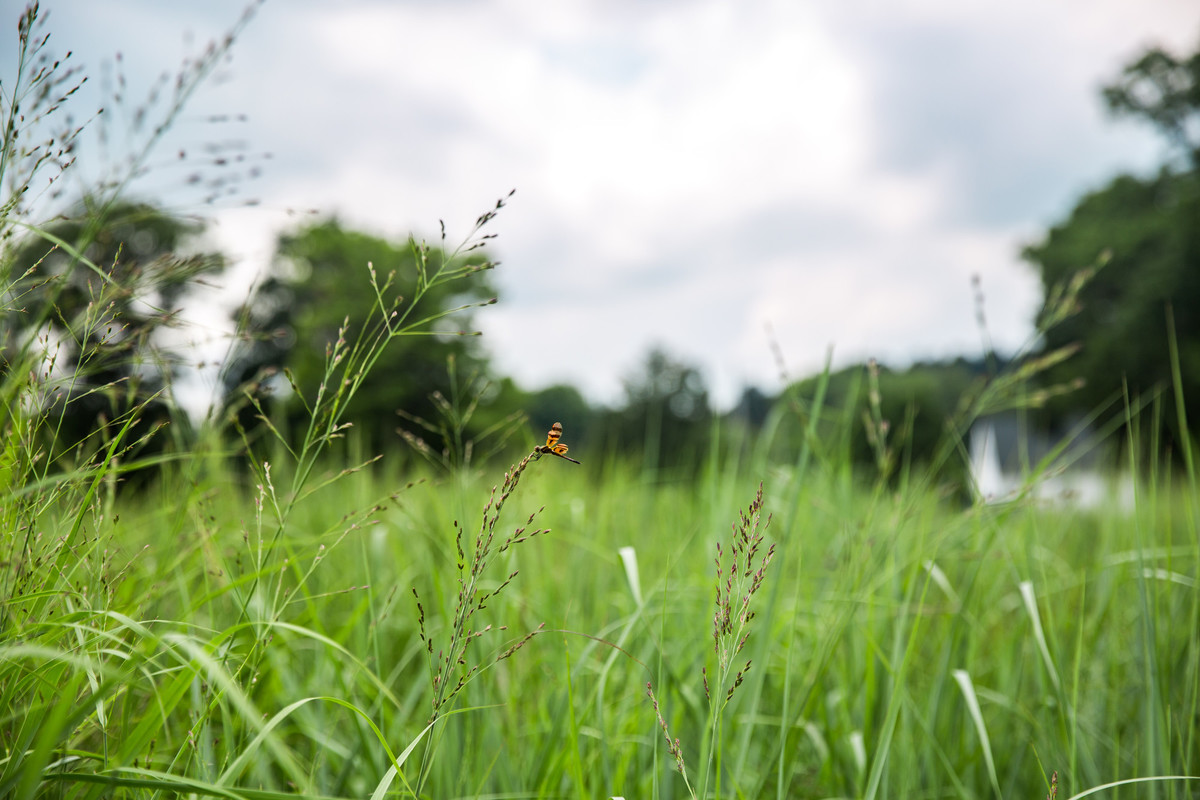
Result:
[[963, 679], [1029, 600]]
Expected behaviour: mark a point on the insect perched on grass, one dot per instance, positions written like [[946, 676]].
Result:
[[552, 445]]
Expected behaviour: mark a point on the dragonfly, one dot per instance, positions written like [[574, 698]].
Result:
[[553, 446]]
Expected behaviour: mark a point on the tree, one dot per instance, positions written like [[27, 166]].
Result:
[[1143, 232], [319, 283], [666, 415], [1164, 90], [1144, 235], [86, 304], [881, 419]]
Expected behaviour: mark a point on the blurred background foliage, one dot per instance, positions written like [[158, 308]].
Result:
[[319, 285], [1143, 235], [96, 298]]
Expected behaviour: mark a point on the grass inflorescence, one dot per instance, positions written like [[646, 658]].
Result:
[[450, 669]]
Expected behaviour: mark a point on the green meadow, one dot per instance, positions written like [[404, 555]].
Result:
[[277, 631], [269, 603]]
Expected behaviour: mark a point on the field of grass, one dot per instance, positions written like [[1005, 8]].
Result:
[[271, 616], [269, 633], [280, 614]]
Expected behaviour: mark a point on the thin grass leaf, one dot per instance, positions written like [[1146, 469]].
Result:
[[1029, 600], [963, 679]]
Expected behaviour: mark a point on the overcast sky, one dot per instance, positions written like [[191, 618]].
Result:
[[705, 176]]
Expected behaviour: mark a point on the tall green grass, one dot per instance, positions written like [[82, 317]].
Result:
[[903, 646], [278, 620]]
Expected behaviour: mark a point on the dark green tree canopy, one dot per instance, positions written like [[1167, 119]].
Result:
[[123, 256], [666, 413], [86, 301], [915, 406], [1145, 232], [1164, 90], [320, 289]]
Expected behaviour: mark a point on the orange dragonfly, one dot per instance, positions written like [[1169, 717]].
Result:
[[553, 446]]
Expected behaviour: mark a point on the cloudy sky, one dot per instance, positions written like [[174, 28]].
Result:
[[706, 176]]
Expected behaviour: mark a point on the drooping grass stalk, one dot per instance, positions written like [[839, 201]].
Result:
[[451, 669]]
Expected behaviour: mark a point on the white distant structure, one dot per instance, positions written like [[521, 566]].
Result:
[[998, 475], [990, 482]]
